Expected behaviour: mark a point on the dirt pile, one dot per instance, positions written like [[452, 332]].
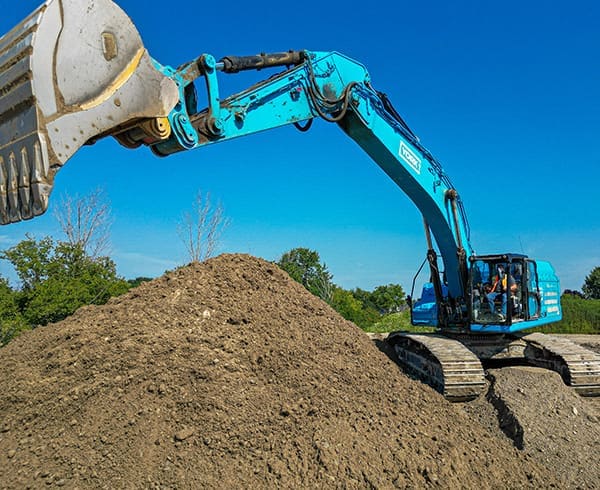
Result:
[[230, 375], [547, 420]]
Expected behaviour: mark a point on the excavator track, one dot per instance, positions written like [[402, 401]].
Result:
[[578, 366], [443, 363]]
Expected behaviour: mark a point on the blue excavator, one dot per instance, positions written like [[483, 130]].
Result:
[[75, 71]]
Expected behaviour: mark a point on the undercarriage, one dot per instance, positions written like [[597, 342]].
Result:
[[454, 364]]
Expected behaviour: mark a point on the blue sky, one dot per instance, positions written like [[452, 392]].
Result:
[[506, 95]]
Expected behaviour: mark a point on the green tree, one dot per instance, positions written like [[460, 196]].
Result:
[[58, 278], [384, 299], [353, 309], [8, 304], [388, 299], [75, 280], [364, 297], [11, 320], [31, 259], [304, 266], [591, 286]]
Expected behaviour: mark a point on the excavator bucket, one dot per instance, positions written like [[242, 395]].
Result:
[[73, 71]]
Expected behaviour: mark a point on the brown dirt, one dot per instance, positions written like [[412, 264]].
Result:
[[230, 375], [547, 420], [543, 417]]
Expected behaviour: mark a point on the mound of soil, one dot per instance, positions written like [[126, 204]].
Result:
[[545, 418], [228, 374]]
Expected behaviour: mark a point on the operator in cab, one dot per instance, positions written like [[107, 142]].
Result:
[[502, 284]]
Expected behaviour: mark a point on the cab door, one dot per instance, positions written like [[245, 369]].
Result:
[[532, 290]]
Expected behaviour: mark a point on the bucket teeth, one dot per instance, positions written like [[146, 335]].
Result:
[[25, 182], [23, 29]]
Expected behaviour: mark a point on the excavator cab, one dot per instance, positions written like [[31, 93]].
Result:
[[511, 292], [497, 284]]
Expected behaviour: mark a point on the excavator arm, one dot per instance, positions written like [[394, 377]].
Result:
[[337, 89]]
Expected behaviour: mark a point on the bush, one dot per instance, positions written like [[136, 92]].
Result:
[[396, 321], [353, 309], [11, 320], [56, 279]]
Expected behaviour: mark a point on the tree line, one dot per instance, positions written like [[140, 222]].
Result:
[[56, 277]]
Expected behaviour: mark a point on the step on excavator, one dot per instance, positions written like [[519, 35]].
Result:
[[75, 71]]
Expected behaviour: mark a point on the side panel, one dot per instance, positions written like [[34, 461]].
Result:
[[549, 292], [515, 327], [424, 312]]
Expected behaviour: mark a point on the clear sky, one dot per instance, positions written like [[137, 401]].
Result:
[[505, 94]]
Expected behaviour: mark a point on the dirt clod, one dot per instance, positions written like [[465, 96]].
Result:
[[183, 434]]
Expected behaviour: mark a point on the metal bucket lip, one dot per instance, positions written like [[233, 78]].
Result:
[[24, 158]]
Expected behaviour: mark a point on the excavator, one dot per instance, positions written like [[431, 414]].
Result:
[[76, 71]]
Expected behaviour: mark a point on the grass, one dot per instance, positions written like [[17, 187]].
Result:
[[394, 322]]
